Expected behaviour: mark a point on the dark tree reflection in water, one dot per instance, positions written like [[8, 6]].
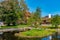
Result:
[[9, 36]]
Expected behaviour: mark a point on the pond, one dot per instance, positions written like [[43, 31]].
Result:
[[47, 38], [52, 37]]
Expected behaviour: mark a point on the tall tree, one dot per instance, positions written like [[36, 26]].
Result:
[[10, 9], [37, 16], [38, 13], [24, 9]]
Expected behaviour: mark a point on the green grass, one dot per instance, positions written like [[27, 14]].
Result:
[[36, 32], [23, 26], [49, 27], [18, 26]]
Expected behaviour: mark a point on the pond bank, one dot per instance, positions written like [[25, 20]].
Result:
[[35, 33]]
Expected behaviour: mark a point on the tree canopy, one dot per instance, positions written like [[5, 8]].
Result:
[[9, 11], [56, 20]]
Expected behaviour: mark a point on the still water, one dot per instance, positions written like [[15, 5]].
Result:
[[47, 38], [52, 38]]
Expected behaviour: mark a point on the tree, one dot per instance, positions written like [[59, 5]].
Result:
[[37, 16], [37, 13], [9, 12], [24, 9], [55, 20], [23, 5]]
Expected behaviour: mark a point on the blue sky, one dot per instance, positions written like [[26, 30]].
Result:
[[47, 6]]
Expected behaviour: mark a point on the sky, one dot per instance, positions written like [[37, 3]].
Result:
[[47, 6]]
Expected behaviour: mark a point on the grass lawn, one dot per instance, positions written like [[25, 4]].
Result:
[[18, 26], [23, 26], [36, 32], [49, 27]]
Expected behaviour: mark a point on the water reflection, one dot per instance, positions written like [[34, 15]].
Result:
[[53, 38], [47, 38]]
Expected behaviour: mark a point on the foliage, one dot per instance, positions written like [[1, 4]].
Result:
[[23, 5], [23, 9], [31, 20], [37, 16], [37, 13], [55, 20], [10, 12]]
